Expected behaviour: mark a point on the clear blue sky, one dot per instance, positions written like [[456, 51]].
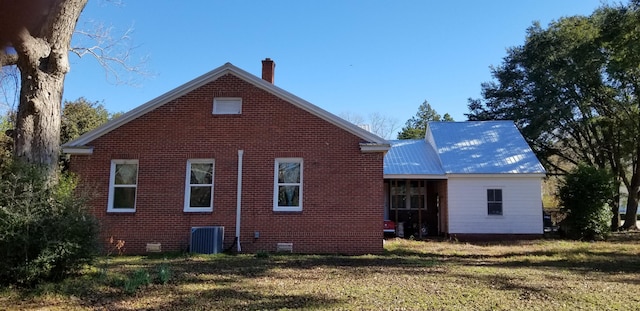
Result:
[[344, 56]]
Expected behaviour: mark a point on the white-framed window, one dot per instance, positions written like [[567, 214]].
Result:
[[227, 105], [198, 192], [287, 193], [494, 201], [123, 186]]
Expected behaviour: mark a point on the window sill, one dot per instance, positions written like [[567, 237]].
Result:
[[121, 211], [199, 210], [295, 210], [226, 115]]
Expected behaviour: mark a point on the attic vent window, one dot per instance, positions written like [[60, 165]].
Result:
[[227, 105]]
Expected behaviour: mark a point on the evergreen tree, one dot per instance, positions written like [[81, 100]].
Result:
[[416, 127]]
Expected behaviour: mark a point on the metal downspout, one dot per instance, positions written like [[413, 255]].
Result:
[[239, 199]]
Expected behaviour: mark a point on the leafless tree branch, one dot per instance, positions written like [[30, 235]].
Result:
[[114, 54], [377, 123], [9, 88]]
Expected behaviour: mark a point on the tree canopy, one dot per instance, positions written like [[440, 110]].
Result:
[[81, 116], [416, 127], [572, 88]]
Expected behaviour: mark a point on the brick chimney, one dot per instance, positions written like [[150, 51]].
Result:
[[268, 70]]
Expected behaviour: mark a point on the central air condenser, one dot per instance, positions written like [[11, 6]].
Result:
[[206, 240]]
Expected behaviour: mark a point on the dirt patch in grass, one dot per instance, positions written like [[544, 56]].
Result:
[[410, 275]]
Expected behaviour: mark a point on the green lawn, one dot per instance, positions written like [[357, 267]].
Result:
[[410, 275]]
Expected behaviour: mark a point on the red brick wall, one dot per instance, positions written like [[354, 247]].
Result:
[[343, 187]]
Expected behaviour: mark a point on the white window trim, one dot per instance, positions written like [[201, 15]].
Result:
[[187, 186], [501, 202], [112, 181], [227, 100], [277, 208]]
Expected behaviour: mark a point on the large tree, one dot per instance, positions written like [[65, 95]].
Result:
[[416, 127], [36, 38], [573, 89]]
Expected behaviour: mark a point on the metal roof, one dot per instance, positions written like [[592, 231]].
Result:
[[473, 147], [483, 147], [412, 157]]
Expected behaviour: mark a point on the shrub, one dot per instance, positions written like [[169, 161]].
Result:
[[139, 278], [262, 254], [584, 195], [164, 274], [46, 232]]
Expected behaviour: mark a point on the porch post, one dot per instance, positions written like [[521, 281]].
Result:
[[395, 201], [420, 208]]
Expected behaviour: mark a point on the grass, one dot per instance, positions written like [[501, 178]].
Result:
[[410, 275]]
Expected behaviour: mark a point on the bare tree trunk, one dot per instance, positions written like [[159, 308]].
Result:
[[37, 136], [42, 44]]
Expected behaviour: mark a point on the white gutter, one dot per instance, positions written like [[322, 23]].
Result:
[[239, 199]]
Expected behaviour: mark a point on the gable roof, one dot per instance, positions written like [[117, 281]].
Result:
[[482, 147], [412, 158], [472, 147], [372, 142]]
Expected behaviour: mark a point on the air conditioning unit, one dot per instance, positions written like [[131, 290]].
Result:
[[206, 240]]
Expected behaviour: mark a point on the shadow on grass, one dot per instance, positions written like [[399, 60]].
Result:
[[219, 281], [574, 260], [579, 259], [508, 283], [246, 266], [215, 299], [224, 281]]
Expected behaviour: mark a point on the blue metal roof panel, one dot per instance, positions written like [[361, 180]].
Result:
[[483, 147], [412, 157]]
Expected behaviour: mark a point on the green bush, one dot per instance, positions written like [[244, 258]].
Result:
[[139, 278], [46, 232], [164, 274], [584, 195]]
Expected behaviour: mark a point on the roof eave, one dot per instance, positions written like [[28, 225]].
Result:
[[415, 176], [494, 175], [311, 108], [369, 147], [211, 76], [81, 150], [151, 105]]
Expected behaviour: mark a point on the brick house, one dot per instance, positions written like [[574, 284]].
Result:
[[268, 170], [231, 150]]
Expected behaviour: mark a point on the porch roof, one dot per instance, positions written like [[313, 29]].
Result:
[[412, 157]]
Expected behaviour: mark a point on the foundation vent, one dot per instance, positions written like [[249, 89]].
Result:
[[284, 247], [154, 247], [206, 240]]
